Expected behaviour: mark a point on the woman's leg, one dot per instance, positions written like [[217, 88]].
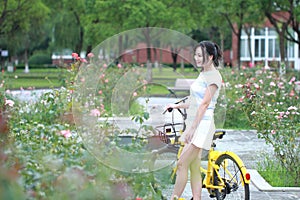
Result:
[[189, 154], [196, 181]]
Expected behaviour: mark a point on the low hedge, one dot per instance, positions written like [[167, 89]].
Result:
[[36, 66]]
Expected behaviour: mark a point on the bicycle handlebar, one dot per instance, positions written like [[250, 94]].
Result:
[[170, 109]]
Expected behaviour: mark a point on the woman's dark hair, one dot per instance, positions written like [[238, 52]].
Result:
[[211, 49]]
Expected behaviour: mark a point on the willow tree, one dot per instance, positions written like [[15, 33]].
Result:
[[22, 26], [67, 24]]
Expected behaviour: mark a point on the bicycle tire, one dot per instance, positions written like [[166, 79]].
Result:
[[235, 188]]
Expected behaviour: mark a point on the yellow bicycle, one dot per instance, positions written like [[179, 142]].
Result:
[[225, 176]]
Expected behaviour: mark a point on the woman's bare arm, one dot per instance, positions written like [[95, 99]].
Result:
[[180, 105]]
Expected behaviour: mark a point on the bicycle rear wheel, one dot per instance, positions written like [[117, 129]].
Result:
[[231, 174]]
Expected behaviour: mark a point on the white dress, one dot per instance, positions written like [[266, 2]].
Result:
[[205, 131]]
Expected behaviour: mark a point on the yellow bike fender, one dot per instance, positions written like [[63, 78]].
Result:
[[239, 161], [246, 176]]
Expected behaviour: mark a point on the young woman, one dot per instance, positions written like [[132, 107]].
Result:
[[200, 124]]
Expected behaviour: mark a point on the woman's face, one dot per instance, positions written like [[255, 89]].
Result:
[[201, 58]]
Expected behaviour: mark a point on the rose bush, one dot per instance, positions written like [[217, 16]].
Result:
[[234, 117], [7, 103], [271, 103], [49, 160]]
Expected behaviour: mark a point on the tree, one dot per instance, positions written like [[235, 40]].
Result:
[[174, 55], [236, 13], [23, 25], [67, 26], [32, 37], [13, 15], [117, 16], [280, 14], [295, 12], [254, 20]]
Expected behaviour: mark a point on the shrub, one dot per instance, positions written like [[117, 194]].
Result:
[[271, 103], [36, 66], [40, 59], [234, 117], [48, 109]]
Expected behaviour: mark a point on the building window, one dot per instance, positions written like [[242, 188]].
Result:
[[272, 32], [290, 49], [273, 48], [264, 45], [259, 31], [259, 48], [244, 48], [277, 48]]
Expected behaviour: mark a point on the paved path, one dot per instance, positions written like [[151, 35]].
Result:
[[28, 95]]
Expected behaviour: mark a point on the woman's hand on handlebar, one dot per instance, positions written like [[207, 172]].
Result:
[[177, 105], [170, 107]]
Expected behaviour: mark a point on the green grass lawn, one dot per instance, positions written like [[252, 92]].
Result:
[[168, 73], [52, 77], [35, 72], [26, 83], [36, 78]]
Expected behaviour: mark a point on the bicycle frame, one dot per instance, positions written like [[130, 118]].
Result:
[[208, 180]]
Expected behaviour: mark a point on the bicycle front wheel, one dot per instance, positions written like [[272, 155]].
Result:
[[230, 172]]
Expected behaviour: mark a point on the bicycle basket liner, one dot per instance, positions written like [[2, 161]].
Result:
[[169, 133], [164, 134], [163, 137]]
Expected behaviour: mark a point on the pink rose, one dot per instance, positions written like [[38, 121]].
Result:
[[9, 102], [75, 55], [66, 133], [292, 93], [83, 60], [95, 112], [90, 55], [292, 79], [272, 84]]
